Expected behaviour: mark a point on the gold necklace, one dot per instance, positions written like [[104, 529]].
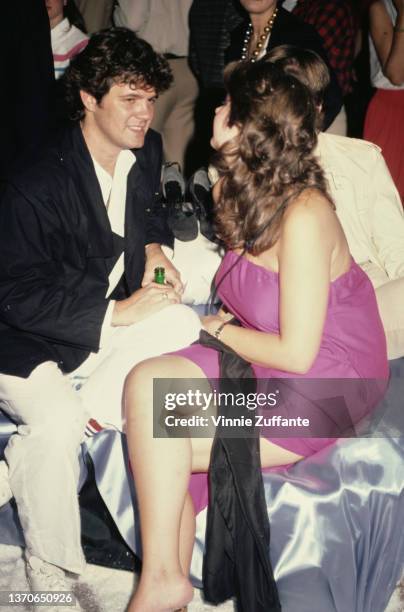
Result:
[[263, 37]]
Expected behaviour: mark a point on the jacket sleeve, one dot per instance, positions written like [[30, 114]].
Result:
[[388, 219], [157, 229], [41, 291]]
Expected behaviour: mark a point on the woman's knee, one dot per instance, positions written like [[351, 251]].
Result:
[[138, 387], [142, 373], [165, 366], [141, 380]]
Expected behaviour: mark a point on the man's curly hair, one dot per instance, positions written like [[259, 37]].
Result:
[[112, 56], [271, 161]]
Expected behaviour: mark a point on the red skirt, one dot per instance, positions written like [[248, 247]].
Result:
[[384, 125]]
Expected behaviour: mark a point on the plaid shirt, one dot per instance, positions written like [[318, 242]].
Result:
[[211, 22], [335, 22]]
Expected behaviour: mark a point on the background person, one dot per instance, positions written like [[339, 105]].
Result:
[[384, 118], [97, 15], [266, 25], [67, 33], [223, 31], [336, 24], [164, 25]]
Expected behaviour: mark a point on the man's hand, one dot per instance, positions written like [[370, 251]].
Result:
[[155, 258], [142, 303]]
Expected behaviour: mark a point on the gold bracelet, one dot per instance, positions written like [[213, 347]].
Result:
[[398, 29], [219, 330]]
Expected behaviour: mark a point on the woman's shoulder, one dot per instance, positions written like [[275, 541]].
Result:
[[310, 218], [311, 235], [309, 206]]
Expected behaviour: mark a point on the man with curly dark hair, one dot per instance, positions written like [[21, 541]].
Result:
[[80, 237]]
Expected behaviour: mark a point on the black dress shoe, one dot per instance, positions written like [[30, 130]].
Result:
[[199, 191]]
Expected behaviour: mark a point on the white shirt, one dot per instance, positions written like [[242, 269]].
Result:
[[113, 191], [289, 5], [67, 41]]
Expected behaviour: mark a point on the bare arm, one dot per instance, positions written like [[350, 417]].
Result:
[[307, 241], [388, 39]]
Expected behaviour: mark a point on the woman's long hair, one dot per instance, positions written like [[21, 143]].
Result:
[[271, 161], [74, 16]]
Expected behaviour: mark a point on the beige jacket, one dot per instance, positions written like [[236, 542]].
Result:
[[367, 202]]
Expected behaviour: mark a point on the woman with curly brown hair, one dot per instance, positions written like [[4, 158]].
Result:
[[306, 309]]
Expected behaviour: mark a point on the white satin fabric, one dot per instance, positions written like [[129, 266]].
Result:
[[337, 543]]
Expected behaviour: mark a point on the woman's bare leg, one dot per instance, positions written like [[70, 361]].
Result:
[[187, 535], [162, 467], [273, 455]]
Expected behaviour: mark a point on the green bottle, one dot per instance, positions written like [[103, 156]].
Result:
[[159, 275]]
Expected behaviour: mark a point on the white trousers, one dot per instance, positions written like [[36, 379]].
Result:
[[51, 417], [198, 261]]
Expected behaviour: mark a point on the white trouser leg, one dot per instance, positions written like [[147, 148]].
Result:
[[170, 329], [43, 462], [43, 455], [197, 261]]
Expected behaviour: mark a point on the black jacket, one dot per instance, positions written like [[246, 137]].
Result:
[[236, 561], [289, 30], [57, 249]]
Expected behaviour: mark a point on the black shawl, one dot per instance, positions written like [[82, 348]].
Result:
[[236, 561]]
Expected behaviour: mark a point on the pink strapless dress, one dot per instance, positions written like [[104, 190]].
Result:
[[353, 344]]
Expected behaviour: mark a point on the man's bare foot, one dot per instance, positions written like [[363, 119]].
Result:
[[161, 593]]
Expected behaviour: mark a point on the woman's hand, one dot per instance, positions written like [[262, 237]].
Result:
[[211, 323]]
